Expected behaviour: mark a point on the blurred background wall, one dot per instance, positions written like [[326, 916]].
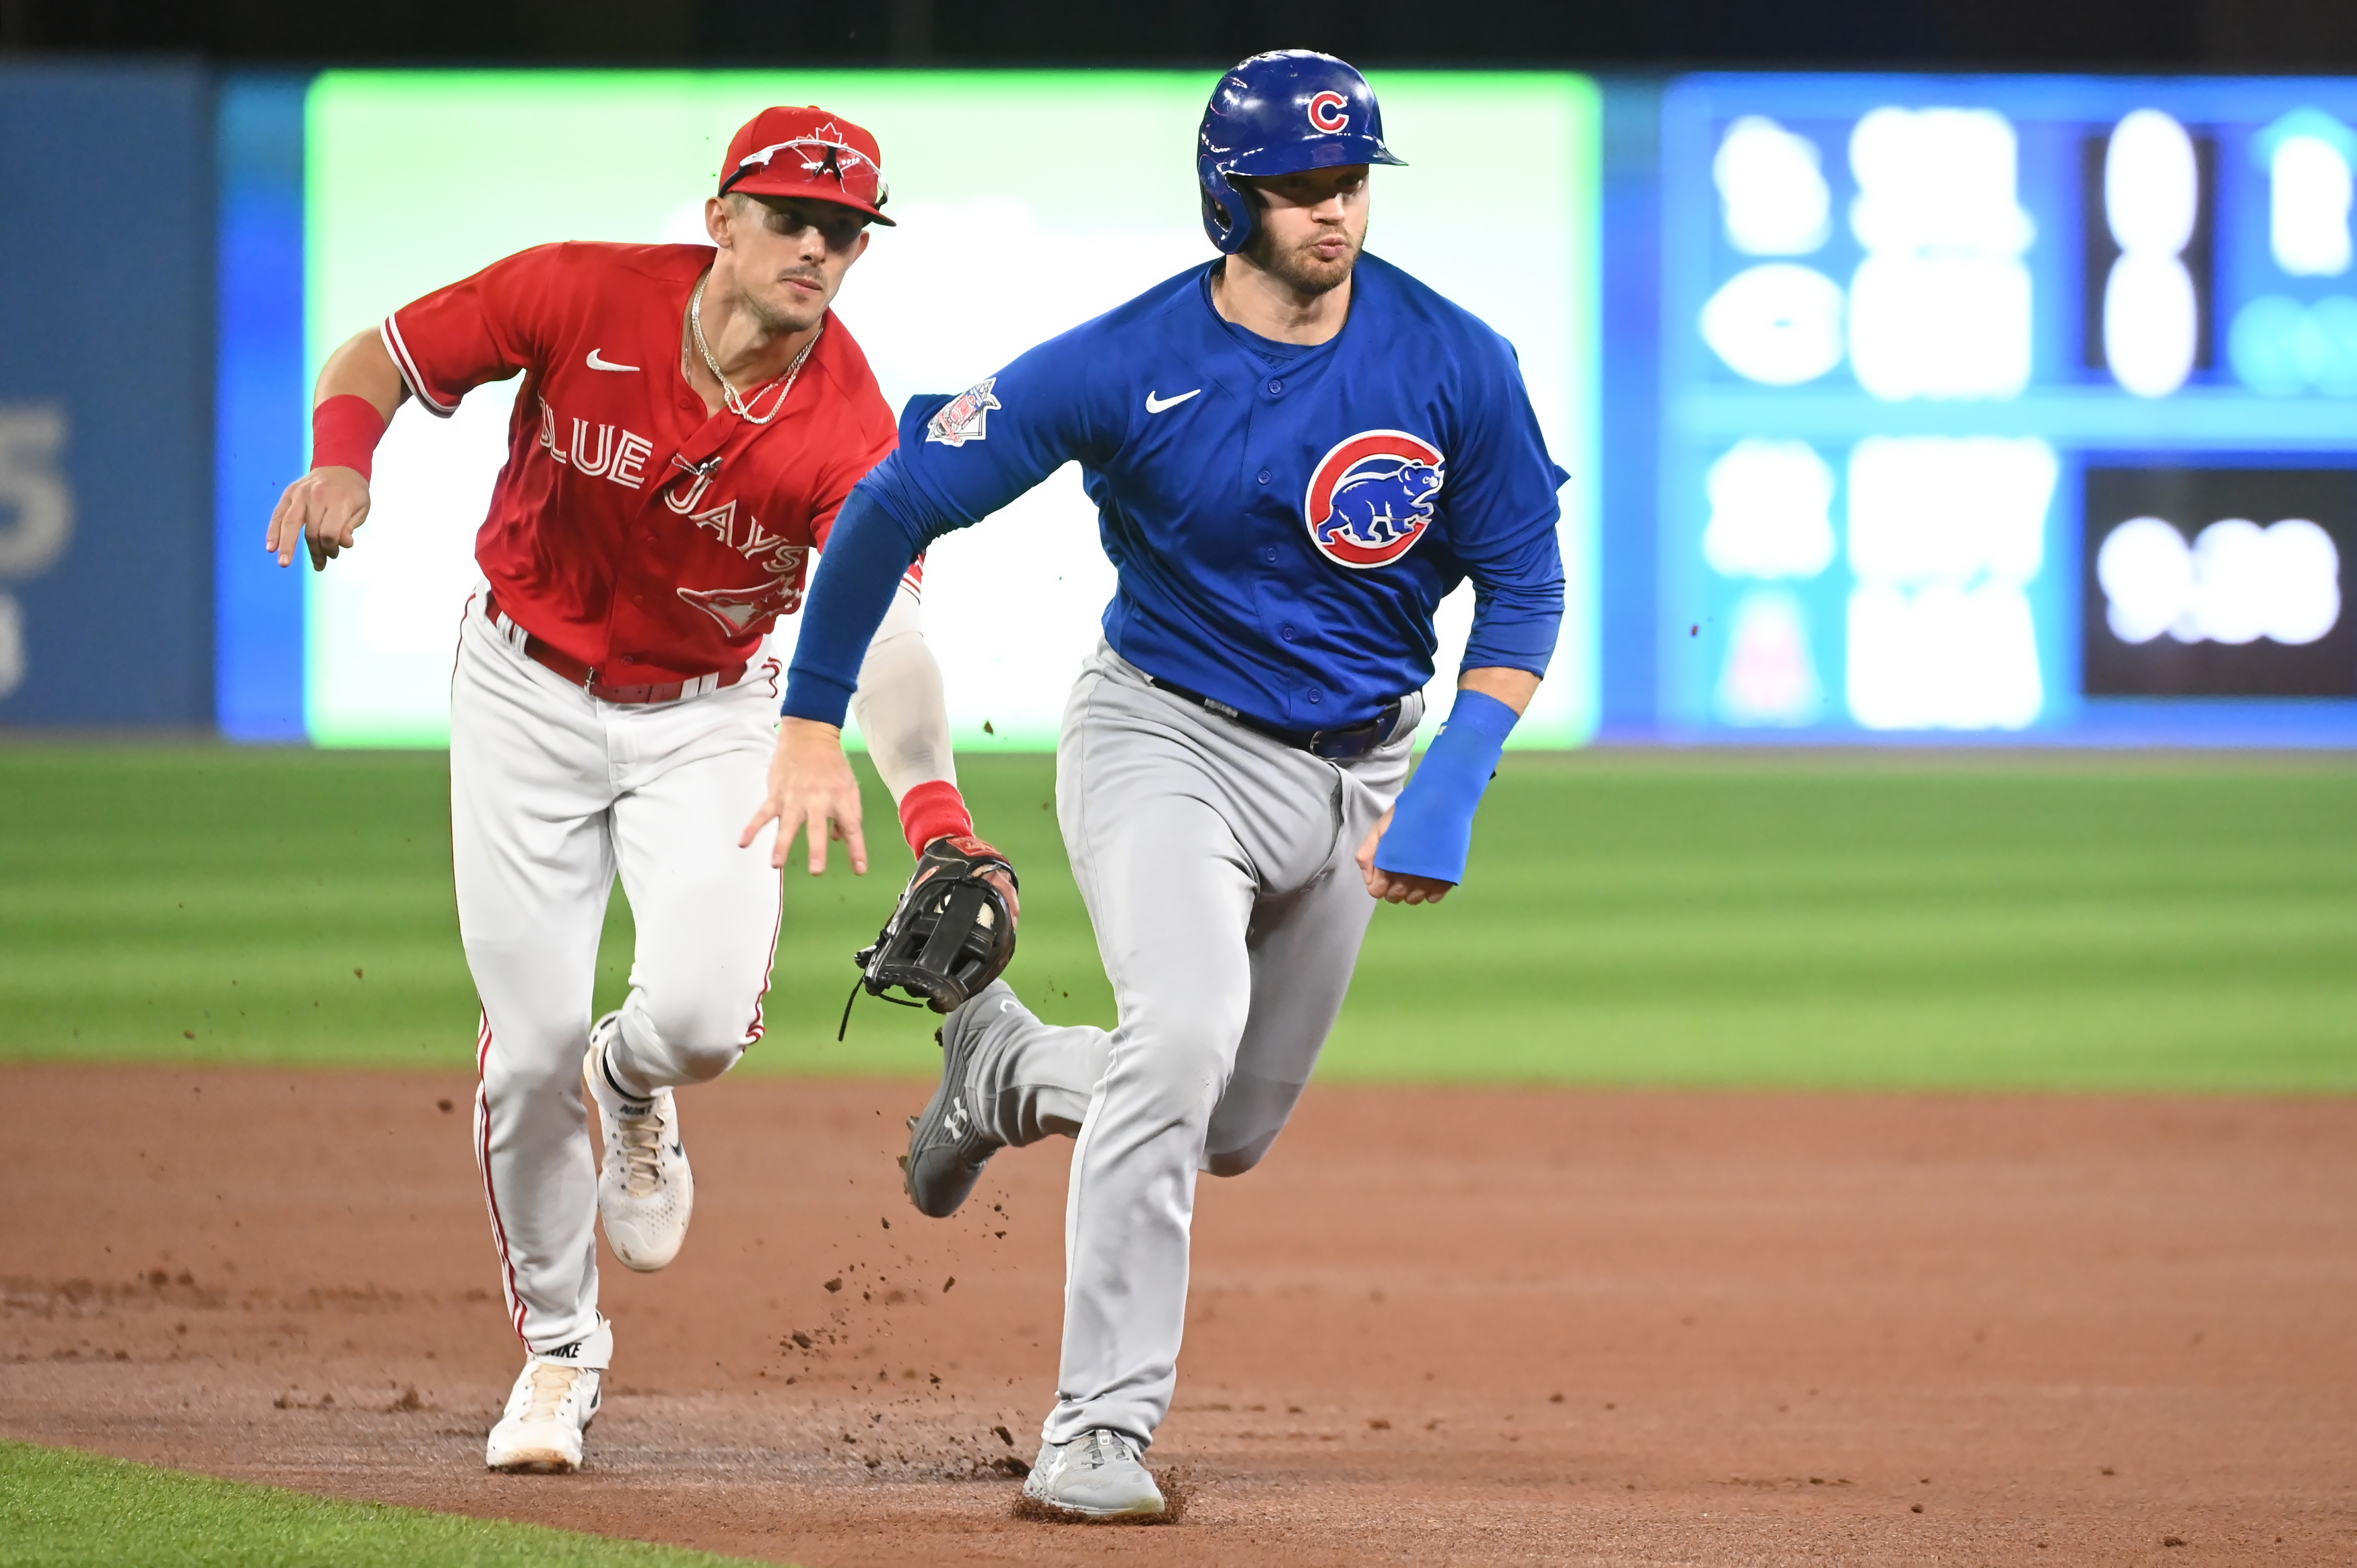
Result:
[[1950, 397], [106, 338]]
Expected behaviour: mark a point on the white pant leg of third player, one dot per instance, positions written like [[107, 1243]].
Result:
[[706, 911], [1217, 867], [544, 780]]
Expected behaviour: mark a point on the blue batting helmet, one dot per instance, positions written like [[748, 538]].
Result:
[[1282, 112]]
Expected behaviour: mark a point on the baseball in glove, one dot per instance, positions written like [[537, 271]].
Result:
[[953, 933]]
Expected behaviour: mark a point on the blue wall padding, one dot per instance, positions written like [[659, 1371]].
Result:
[[106, 295]]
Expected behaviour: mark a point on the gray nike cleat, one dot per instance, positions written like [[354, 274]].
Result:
[[1097, 1474], [947, 1147]]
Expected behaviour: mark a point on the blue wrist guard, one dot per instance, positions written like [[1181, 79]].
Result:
[[1432, 826]]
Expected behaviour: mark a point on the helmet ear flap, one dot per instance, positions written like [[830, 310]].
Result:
[[1227, 212]]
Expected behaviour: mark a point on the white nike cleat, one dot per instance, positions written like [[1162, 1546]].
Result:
[[645, 1191], [552, 1402], [1098, 1475]]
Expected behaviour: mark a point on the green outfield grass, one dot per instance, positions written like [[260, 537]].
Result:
[[1964, 920], [64, 1510]]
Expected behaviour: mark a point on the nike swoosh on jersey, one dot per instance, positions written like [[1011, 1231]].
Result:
[[1157, 404], [598, 364]]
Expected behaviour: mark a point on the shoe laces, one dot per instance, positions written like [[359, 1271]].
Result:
[[640, 1139], [552, 1382], [1097, 1456]]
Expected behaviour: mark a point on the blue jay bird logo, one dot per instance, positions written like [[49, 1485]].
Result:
[[1370, 497]]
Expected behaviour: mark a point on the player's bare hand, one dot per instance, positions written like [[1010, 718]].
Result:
[[1397, 886], [811, 791], [323, 510]]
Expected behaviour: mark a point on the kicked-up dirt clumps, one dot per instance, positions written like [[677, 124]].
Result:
[[1434, 1325]]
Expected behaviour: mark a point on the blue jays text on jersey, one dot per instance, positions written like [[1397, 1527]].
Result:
[[1284, 519]]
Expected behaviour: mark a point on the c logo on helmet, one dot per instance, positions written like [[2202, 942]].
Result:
[[1328, 112], [1370, 497]]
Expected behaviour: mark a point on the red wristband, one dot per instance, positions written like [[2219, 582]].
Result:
[[344, 432], [935, 811]]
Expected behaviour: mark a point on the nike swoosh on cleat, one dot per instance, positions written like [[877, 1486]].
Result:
[[598, 364], [1157, 404]]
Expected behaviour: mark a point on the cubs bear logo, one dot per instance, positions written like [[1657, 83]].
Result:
[[1328, 112], [1370, 497]]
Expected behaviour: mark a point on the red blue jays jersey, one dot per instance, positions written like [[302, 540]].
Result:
[[1284, 519], [646, 536]]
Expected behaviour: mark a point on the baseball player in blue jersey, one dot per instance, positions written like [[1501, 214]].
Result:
[[1295, 451]]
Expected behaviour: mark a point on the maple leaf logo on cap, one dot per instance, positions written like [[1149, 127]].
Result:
[[825, 158]]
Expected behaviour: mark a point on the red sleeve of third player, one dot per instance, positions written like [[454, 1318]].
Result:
[[482, 328]]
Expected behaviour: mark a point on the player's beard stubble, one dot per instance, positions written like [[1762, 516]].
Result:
[[776, 319], [1300, 266]]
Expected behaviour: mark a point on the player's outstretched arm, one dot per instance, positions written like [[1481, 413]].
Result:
[[906, 720], [906, 501], [1427, 856], [811, 786], [359, 389]]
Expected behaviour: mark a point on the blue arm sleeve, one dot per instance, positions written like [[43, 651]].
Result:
[[1503, 517], [1023, 424], [1518, 607], [858, 574], [1432, 827]]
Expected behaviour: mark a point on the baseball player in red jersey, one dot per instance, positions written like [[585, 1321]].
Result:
[[690, 420]]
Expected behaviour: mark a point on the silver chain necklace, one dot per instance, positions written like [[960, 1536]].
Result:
[[741, 407]]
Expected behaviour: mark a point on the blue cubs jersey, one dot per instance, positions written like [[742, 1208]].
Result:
[[1283, 519]]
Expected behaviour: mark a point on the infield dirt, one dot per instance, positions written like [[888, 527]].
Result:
[[1437, 1326]]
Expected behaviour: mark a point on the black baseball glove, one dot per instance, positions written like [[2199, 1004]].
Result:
[[953, 932]]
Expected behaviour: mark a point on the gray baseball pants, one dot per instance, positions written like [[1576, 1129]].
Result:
[[1218, 869]]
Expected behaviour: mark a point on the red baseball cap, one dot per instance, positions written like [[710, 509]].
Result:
[[809, 153]]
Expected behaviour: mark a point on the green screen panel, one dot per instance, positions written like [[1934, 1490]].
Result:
[[1028, 202]]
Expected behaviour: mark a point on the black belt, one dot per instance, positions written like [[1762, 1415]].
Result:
[[1335, 745]]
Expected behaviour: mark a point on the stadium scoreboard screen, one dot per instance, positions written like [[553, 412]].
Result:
[[2008, 404]]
